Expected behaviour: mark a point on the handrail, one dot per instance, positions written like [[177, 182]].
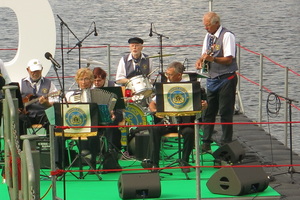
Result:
[[29, 189], [28, 175], [10, 120]]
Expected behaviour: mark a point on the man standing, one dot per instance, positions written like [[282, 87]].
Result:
[[219, 50], [133, 64]]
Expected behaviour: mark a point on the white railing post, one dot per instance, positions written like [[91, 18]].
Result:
[[108, 62], [210, 5], [238, 100], [286, 94], [260, 88]]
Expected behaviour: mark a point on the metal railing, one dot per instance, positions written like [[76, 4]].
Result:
[[21, 172]]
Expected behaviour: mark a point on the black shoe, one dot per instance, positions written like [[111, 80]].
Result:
[[206, 148], [185, 166], [147, 163]]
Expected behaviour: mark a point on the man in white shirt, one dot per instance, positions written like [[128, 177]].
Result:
[[133, 64]]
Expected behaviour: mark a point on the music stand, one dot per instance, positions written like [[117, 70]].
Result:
[[83, 115], [178, 100]]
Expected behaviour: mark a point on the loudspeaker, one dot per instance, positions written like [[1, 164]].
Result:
[[232, 152], [139, 186], [238, 181], [45, 160], [139, 145]]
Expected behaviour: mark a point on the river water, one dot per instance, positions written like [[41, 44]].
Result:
[[268, 27]]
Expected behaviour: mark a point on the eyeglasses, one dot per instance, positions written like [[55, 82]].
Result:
[[170, 75]]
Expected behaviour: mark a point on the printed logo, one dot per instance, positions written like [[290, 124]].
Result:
[[178, 97], [76, 117], [145, 66], [217, 47], [45, 91]]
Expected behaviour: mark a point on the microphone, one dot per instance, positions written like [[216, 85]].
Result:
[[95, 30], [49, 57], [150, 34]]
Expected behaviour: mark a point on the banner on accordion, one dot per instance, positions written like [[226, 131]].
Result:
[[76, 114], [178, 98]]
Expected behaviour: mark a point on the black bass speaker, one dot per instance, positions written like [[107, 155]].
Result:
[[232, 152], [238, 181], [139, 145], [139, 186]]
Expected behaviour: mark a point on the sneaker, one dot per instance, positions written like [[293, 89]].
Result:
[[206, 148]]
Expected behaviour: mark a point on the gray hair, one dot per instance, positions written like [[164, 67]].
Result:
[[178, 66], [214, 17]]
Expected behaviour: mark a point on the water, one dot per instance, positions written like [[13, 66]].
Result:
[[268, 27]]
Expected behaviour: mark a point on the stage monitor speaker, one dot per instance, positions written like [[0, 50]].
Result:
[[139, 186], [232, 152], [139, 145], [238, 181]]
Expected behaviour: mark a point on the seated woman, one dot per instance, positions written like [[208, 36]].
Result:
[[85, 79]]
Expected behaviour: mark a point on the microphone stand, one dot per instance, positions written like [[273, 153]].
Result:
[[291, 169], [62, 99], [160, 36], [62, 86], [79, 43]]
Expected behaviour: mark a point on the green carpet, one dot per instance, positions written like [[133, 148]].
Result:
[[174, 186]]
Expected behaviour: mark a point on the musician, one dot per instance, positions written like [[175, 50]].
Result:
[[85, 78], [35, 86], [100, 79], [174, 74], [113, 135], [221, 86], [133, 64]]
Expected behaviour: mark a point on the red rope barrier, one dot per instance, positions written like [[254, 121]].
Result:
[[60, 172], [185, 124]]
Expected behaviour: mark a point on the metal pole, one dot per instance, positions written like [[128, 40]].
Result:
[[260, 88], [108, 61], [286, 93], [210, 5], [238, 92], [198, 154], [52, 160]]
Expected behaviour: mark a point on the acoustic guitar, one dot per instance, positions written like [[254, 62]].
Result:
[[28, 100], [205, 64]]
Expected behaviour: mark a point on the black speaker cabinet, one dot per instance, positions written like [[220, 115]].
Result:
[[238, 181], [232, 152], [139, 186], [139, 145]]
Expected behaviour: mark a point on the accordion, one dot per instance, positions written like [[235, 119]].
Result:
[[106, 101]]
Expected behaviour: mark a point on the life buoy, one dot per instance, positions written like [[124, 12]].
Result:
[[37, 35]]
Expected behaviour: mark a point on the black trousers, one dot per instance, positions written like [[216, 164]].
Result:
[[157, 132], [221, 101]]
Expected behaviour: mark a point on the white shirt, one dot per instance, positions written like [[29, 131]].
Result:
[[121, 71], [229, 45], [4, 72]]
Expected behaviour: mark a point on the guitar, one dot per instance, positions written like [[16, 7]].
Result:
[[205, 63], [28, 100]]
